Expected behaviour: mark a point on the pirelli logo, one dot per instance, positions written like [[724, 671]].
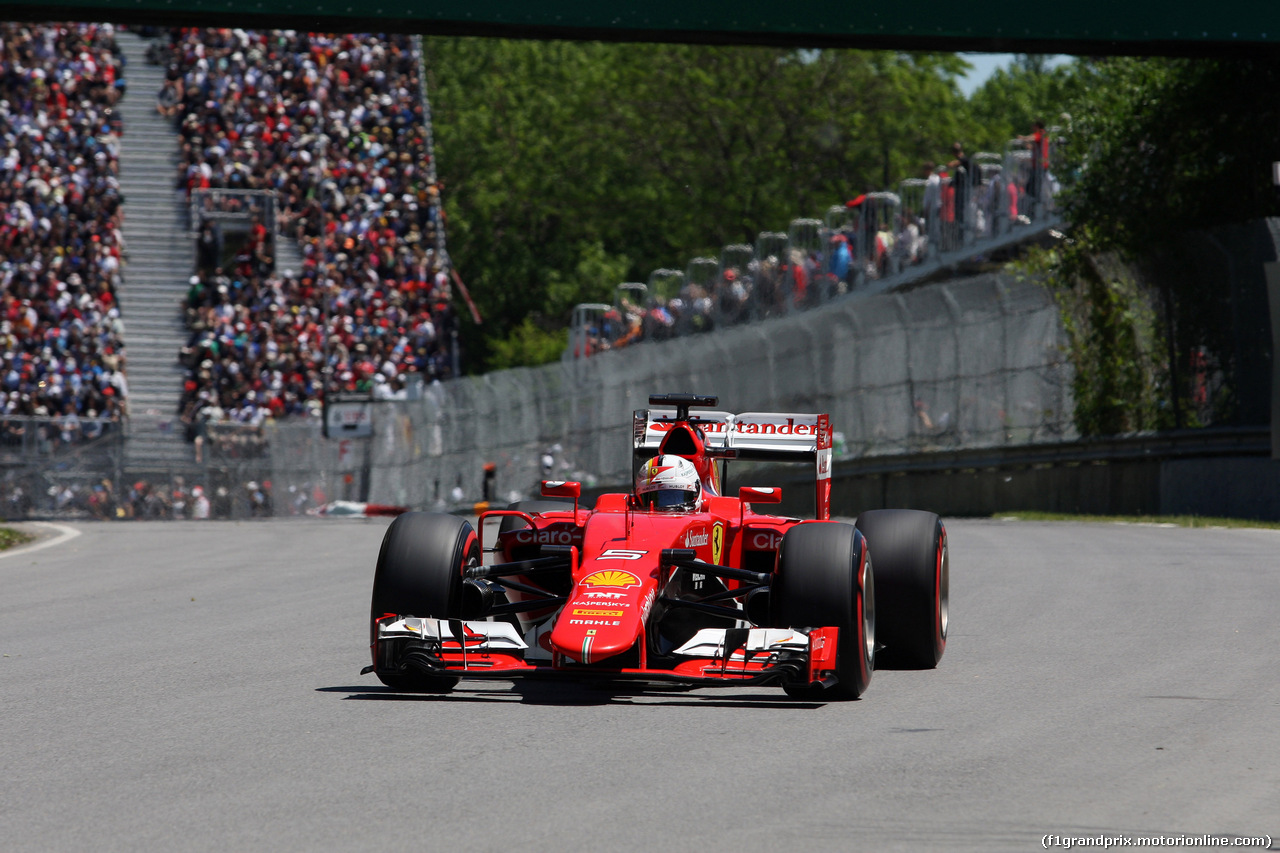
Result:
[[597, 612]]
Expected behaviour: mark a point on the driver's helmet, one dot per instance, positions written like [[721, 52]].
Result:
[[669, 484]]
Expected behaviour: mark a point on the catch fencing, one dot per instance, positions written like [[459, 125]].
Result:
[[975, 363], [59, 466]]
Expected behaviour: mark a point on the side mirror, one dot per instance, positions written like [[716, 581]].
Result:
[[561, 489], [760, 494]]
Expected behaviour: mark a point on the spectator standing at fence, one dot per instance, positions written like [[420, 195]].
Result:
[[199, 503], [222, 502], [961, 182], [1038, 141], [841, 258], [931, 202]]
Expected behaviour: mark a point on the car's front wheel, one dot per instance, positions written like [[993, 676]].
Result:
[[825, 579], [419, 573]]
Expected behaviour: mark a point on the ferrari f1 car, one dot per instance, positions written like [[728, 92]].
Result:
[[673, 582]]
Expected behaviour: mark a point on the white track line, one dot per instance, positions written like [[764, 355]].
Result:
[[65, 534]]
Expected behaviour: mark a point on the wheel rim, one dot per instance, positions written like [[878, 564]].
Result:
[[944, 586], [869, 614]]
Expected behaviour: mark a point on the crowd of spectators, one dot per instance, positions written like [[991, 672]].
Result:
[[334, 126], [259, 345], [61, 338], [170, 498], [760, 288], [871, 236]]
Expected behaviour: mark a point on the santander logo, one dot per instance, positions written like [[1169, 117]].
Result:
[[760, 426], [696, 540]]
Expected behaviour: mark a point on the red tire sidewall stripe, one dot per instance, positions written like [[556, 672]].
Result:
[[940, 640], [863, 668]]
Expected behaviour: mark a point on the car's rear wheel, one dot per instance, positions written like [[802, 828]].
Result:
[[824, 579], [419, 573], [913, 577]]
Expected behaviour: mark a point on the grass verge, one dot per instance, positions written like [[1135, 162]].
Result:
[[10, 538], [1165, 520]]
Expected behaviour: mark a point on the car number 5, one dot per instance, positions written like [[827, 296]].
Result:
[[621, 554]]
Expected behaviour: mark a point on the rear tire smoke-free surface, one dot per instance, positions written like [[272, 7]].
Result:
[[419, 573], [909, 548], [825, 579]]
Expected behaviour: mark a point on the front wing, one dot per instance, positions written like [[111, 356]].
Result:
[[712, 657]]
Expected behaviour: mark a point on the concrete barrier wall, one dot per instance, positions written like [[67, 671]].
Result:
[[1233, 487], [1226, 473]]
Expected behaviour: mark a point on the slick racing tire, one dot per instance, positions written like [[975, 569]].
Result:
[[824, 579], [419, 573], [909, 548]]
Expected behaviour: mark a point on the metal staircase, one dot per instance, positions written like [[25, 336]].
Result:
[[160, 261]]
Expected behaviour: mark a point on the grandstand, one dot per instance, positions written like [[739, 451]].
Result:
[[60, 233], [282, 191], [284, 243], [334, 132]]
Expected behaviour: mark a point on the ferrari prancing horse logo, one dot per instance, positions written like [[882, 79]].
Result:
[[717, 542]]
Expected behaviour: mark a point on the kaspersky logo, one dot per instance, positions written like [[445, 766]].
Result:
[[612, 578]]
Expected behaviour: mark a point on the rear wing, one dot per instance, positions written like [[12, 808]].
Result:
[[755, 436]]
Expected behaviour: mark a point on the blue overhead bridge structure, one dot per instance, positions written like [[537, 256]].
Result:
[[1084, 27]]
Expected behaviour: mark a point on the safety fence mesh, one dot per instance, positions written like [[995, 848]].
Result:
[[972, 364], [975, 363]]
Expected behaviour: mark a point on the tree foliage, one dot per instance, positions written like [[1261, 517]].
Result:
[[1014, 97], [1116, 346], [1157, 149], [1163, 146], [571, 167]]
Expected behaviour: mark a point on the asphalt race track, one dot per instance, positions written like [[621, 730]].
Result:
[[192, 686]]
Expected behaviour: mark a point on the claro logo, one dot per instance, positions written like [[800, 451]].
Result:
[[544, 537], [764, 540]]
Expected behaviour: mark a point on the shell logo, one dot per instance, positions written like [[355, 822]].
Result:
[[611, 577]]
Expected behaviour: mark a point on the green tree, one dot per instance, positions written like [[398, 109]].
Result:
[[1162, 148], [1167, 145], [1012, 98], [571, 167]]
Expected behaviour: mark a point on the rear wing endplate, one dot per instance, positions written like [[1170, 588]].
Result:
[[754, 436]]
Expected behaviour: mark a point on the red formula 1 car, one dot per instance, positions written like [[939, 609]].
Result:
[[672, 582]]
